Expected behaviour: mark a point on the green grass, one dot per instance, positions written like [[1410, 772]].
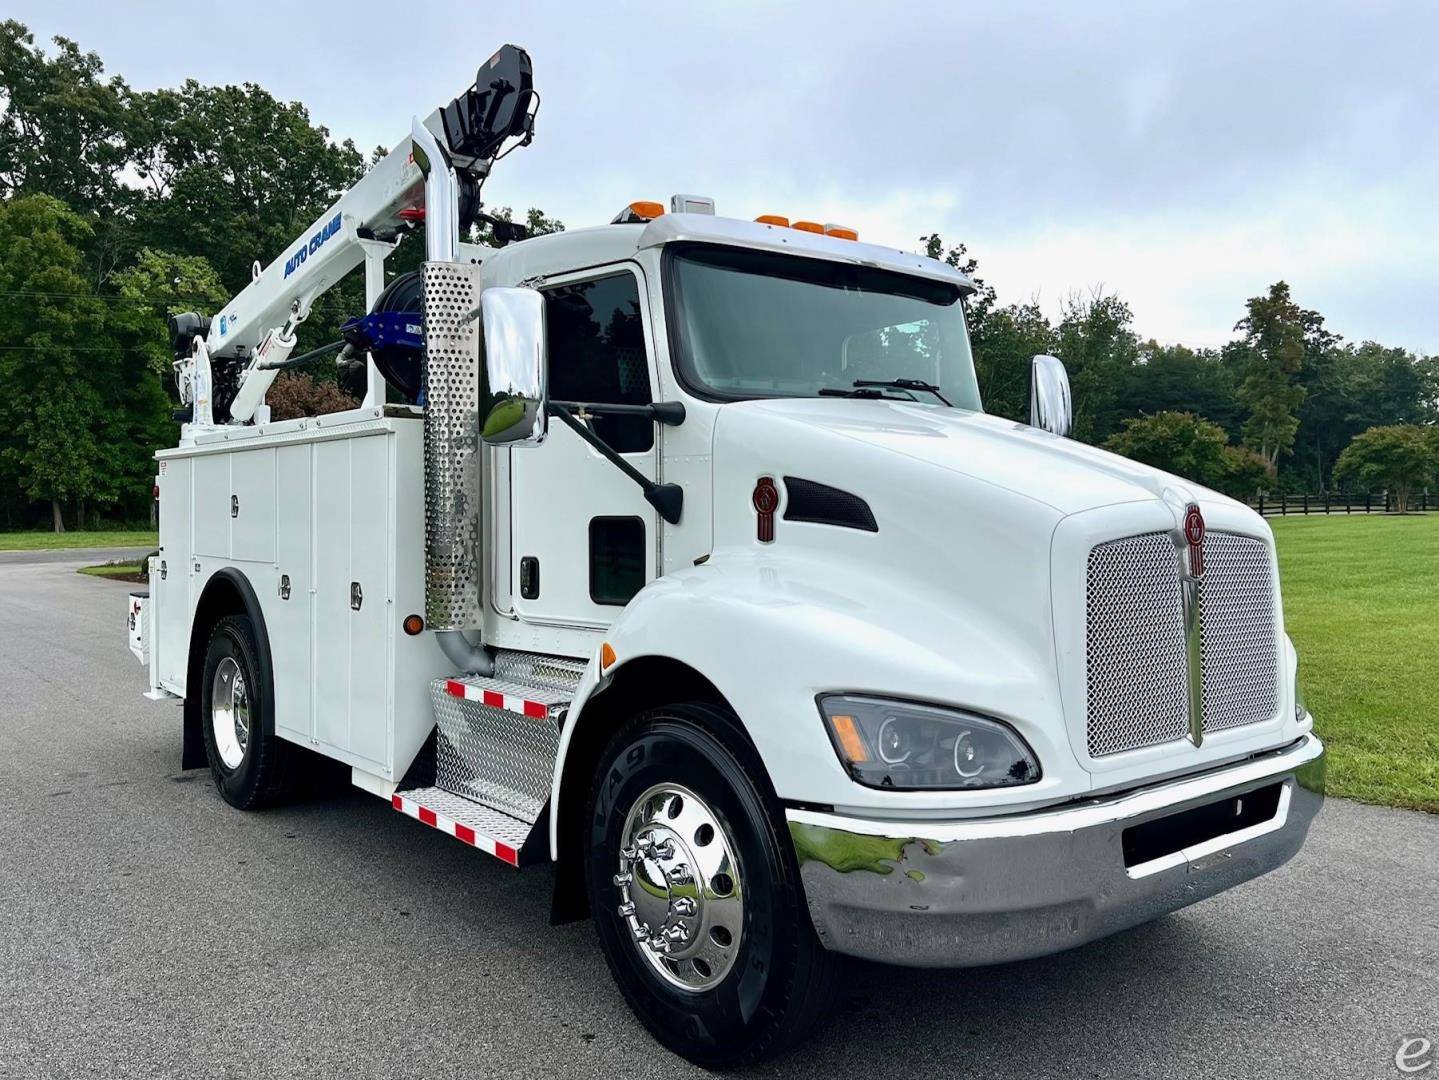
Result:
[[1361, 601], [51, 541], [111, 570]]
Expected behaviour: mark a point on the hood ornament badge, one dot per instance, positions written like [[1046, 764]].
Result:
[[1190, 542], [1194, 537], [766, 502]]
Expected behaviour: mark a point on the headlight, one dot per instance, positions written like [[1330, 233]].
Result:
[[893, 744]]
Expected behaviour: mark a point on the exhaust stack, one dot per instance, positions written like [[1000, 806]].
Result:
[[450, 292]]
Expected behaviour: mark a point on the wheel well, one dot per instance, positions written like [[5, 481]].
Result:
[[637, 685], [228, 592]]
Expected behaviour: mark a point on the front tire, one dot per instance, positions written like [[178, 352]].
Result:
[[252, 768], [695, 890]]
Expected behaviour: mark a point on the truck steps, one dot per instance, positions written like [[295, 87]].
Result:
[[470, 823], [496, 742]]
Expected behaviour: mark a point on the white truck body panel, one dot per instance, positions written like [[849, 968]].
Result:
[[323, 505]]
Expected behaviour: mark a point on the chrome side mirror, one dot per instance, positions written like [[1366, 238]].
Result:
[[515, 398], [1050, 404]]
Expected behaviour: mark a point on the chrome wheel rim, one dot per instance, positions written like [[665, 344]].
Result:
[[230, 712], [681, 897]]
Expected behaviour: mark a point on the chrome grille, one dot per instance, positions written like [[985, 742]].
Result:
[[1135, 673], [1241, 681], [1135, 645]]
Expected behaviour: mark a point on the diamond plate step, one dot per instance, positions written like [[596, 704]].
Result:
[[497, 741], [540, 669], [470, 823]]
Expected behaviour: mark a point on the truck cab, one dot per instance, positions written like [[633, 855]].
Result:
[[701, 572]]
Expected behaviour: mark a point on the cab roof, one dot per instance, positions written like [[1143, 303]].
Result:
[[557, 253]]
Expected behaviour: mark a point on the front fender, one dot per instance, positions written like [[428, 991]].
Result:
[[772, 631]]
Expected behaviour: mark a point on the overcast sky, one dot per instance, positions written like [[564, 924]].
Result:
[[1183, 155]]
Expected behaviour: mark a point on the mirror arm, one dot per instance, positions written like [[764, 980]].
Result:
[[668, 413], [668, 499]]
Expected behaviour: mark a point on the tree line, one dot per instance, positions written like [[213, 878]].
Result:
[[121, 206], [1286, 406]]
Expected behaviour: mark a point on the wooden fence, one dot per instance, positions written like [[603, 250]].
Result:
[[1339, 502]]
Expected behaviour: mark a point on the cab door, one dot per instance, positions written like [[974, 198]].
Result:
[[584, 540]]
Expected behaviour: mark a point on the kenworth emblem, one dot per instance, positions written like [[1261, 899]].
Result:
[[1194, 537], [1191, 571], [766, 502]]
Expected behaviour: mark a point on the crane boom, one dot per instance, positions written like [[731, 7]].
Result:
[[458, 143], [323, 254]]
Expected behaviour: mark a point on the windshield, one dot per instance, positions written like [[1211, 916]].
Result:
[[751, 324]]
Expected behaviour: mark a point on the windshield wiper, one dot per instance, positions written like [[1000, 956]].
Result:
[[904, 384], [837, 391]]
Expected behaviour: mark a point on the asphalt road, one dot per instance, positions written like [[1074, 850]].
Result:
[[146, 929], [74, 556]]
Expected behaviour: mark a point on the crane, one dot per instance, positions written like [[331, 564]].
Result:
[[225, 364]]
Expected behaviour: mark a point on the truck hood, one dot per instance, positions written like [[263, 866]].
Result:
[[1065, 475], [971, 587]]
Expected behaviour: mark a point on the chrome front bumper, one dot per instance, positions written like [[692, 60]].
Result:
[[990, 890]]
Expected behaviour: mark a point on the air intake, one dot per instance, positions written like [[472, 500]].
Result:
[[820, 504]]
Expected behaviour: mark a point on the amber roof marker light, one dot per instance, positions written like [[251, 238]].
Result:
[[639, 212]]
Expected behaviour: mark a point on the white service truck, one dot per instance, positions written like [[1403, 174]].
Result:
[[681, 553]]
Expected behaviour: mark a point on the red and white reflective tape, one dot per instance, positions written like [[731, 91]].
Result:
[[463, 833], [536, 710]]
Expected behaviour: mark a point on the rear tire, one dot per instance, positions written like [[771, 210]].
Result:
[[682, 807], [252, 768]]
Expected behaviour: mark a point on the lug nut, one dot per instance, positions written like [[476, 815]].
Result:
[[683, 907], [627, 909], [621, 880]]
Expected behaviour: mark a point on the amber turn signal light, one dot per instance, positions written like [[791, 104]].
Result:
[[413, 625], [850, 740]]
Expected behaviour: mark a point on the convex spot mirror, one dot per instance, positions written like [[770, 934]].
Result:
[[1050, 405], [513, 406]]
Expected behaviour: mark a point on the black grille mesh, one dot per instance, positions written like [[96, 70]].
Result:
[[821, 504]]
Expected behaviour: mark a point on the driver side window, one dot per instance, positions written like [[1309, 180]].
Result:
[[597, 354]]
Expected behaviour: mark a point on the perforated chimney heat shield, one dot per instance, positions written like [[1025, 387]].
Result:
[[450, 291]]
